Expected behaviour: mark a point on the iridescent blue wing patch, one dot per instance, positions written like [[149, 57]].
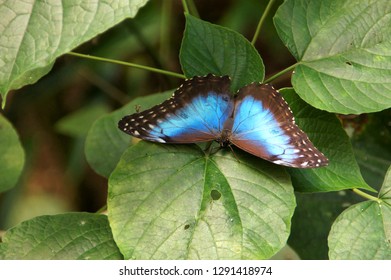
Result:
[[196, 112], [264, 126]]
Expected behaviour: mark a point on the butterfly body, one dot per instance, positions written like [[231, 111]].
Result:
[[257, 119]]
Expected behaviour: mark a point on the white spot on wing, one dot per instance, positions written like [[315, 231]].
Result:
[[278, 161]]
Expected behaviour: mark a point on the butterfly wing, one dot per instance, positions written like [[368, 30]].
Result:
[[264, 126], [196, 112]]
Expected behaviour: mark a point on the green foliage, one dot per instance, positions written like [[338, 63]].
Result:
[[185, 202], [79, 123], [343, 54], [198, 207], [372, 146], [27, 53], [105, 143], [11, 155], [313, 218], [209, 48], [363, 231], [71, 236], [326, 133]]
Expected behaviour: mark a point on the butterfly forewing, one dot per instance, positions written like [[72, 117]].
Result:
[[264, 126], [196, 112], [257, 120]]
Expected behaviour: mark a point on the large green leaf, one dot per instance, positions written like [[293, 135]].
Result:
[[11, 155], [344, 52], [363, 231], [35, 33], [175, 202], [105, 143], [65, 236], [327, 134], [209, 48]]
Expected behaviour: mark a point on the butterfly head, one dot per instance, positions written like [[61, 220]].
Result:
[[224, 139]]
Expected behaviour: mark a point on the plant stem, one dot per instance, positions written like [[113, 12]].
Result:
[[105, 87], [193, 8], [152, 69], [367, 196], [185, 7], [268, 80], [165, 25], [261, 21]]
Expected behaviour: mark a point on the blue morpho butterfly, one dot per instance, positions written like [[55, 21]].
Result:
[[257, 120]]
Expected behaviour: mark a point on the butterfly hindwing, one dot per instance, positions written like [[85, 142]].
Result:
[[264, 126], [196, 112]]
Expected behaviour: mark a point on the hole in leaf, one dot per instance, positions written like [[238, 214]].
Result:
[[215, 194]]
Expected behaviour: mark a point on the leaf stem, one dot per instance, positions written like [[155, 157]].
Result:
[[268, 80], [129, 64], [261, 21], [102, 209], [193, 8], [185, 7], [367, 196]]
